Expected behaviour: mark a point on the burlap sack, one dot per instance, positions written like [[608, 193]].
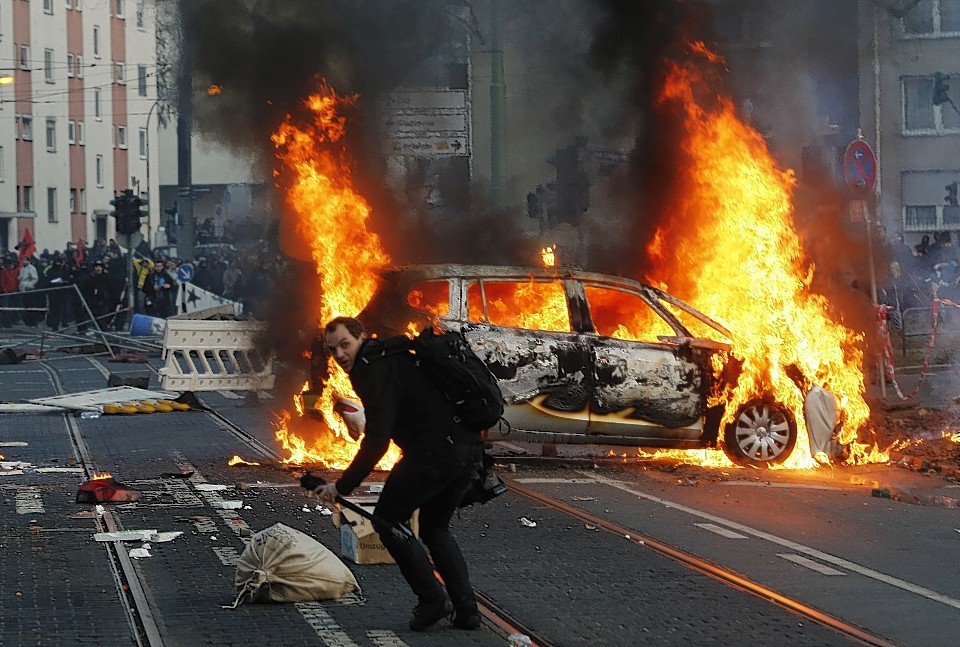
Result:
[[281, 564]]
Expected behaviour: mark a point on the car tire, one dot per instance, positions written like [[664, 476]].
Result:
[[763, 433]]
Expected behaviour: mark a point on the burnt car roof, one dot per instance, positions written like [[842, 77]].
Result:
[[516, 272]]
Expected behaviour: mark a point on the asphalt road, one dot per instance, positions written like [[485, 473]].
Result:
[[820, 538]]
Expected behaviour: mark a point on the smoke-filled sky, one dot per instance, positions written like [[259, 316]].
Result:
[[573, 68]]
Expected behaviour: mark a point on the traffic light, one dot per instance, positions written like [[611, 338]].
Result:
[[127, 212], [951, 197], [940, 88]]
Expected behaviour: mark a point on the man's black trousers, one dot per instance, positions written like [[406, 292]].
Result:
[[434, 481]]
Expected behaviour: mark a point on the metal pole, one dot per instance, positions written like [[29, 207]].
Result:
[[186, 230], [149, 188], [498, 102]]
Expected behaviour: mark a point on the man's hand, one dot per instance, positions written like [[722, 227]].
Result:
[[327, 493]]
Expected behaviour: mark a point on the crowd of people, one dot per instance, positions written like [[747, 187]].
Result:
[[37, 289], [920, 273]]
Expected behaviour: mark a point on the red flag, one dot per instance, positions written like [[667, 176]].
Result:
[[78, 253], [27, 247]]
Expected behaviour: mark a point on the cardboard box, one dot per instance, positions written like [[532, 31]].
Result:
[[359, 542]]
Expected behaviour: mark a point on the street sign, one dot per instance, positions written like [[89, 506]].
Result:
[[418, 125], [185, 272], [427, 100], [431, 147], [860, 168]]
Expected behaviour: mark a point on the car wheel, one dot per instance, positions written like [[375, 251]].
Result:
[[763, 433]]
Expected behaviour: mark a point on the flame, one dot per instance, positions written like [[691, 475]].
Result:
[[213, 89], [98, 476], [236, 460], [2, 457], [549, 256], [741, 203], [330, 217]]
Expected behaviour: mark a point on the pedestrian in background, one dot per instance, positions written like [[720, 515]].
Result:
[[10, 289], [439, 459], [99, 295], [57, 278], [158, 288], [28, 280]]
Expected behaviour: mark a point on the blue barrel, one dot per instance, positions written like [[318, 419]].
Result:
[[142, 325]]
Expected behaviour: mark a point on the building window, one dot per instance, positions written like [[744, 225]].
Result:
[[140, 14], [932, 18], [142, 80], [81, 139], [96, 41], [70, 65], [69, 4], [928, 200], [97, 107], [48, 65], [51, 134], [26, 122], [79, 65], [118, 8], [48, 6], [25, 57], [2, 169], [121, 136], [71, 132], [51, 204], [121, 79], [73, 201], [83, 200], [143, 143], [99, 170], [28, 198], [920, 115]]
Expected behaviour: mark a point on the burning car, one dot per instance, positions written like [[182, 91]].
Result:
[[590, 358]]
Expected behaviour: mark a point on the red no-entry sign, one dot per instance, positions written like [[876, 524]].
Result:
[[860, 168]]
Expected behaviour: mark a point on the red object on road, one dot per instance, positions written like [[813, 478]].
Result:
[[106, 490]]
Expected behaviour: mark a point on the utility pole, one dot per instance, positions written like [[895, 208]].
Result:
[[187, 228], [498, 109]]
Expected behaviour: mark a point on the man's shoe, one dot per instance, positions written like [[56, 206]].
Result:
[[466, 619], [427, 614]]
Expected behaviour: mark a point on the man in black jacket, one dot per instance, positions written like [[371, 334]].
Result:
[[439, 459]]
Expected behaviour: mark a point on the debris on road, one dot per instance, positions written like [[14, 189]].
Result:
[[908, 496], [148, 535], [209, 487], [527, 522], [105, 490]]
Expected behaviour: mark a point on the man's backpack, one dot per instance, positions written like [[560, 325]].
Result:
[[464, 379]]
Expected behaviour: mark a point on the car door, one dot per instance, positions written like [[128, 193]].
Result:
[[642, 387], [521, 328]]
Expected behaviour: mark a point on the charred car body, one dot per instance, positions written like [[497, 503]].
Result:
[[589, 358]]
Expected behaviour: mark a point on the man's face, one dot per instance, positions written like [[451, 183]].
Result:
[[158, 267], [344, 346]]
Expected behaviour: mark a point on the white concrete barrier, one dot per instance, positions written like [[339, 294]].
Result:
[[214, 356]]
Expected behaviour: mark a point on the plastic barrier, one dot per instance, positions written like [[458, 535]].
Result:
[[214, 356]]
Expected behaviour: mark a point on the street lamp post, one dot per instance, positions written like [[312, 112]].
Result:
[[146, 149], [131, 283]]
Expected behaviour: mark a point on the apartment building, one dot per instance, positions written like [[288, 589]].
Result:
[[914, 131], [76, 116]]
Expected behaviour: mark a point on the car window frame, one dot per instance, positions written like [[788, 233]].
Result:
[[509, 278]]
